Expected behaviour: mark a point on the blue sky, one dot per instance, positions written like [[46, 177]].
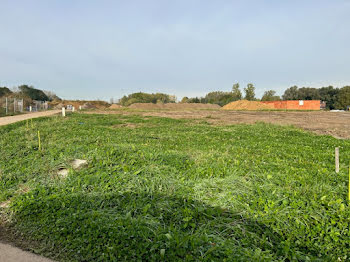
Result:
[[102, 49]]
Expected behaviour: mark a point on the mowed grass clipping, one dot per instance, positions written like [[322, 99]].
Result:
[[158, 189]]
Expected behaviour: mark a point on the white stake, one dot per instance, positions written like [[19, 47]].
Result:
[[337, 159], [63, 112]]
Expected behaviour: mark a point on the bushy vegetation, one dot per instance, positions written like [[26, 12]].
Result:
[[4, 91], [343, 98], [270, 95], [217, 97], [146, 98], [33, 93], [159, 189], [28, 92], [223, 98]]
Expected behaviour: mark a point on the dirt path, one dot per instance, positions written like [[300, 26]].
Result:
[[336, 124], [13, 119], [9, 253]]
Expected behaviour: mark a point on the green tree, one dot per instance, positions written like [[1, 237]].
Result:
[[218, 97], [343, 98], [146, 98], [236, 92], [5, 91], [308, 93], [194, 100], [249, 92], [329, 94], [270, 95], [184, 99], [291, 93], [33, 93]]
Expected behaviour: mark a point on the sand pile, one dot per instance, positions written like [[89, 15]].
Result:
[[247, 105], [115, 106], [174, 106]]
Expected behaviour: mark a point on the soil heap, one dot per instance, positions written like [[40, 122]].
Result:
[[115, 106], [174, 106], [247, 105]]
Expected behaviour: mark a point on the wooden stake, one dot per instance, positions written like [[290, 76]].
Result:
[[337, 159], [39, 140]]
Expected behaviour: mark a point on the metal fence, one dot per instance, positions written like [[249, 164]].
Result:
[[12, 106]]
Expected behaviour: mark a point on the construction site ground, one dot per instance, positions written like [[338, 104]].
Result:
[[336, 124]]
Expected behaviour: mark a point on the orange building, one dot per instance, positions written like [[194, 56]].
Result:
[[295, 104]]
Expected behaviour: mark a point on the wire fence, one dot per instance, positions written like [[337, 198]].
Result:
[[13, 106]]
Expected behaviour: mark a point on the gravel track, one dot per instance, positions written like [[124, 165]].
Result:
[[9, 253], [13, 119]]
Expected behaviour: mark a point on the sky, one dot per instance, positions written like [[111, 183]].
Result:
[[84, 49]]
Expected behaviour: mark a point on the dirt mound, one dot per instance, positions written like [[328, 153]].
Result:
[[192, 106], [115, 106], [58, 106], [88, 106], [247, 105], [174, 106], [146, 106], [76, 103]]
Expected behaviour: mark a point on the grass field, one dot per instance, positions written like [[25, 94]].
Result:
[[159, 189]]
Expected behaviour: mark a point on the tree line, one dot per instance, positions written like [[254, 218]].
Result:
[[335, 98], [141, 97], [222, 98], [28, 92]]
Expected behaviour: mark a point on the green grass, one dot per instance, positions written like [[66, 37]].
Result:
[[159, 189]]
